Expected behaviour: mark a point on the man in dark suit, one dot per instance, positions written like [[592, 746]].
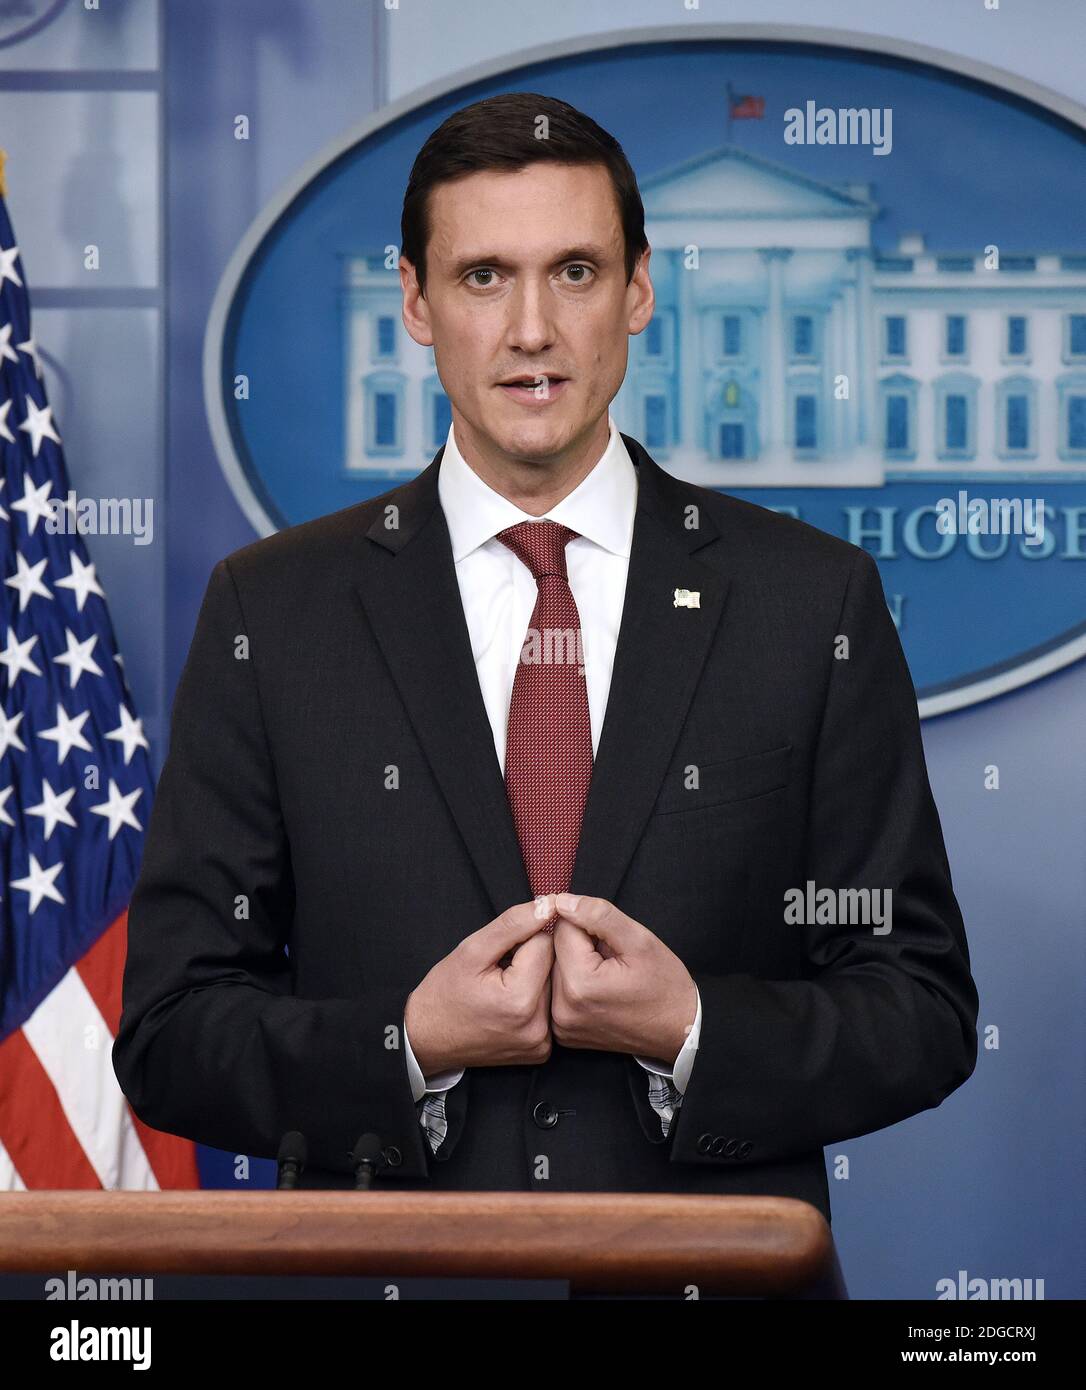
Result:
[[352, 913]]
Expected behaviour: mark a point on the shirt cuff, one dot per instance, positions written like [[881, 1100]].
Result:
[[420, 1086], [679, 1072]]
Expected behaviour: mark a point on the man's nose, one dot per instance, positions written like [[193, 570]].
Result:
[[531, 325]]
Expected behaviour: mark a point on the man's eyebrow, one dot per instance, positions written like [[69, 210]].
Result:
[[585, 252]]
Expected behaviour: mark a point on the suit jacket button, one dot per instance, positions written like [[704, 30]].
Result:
[[545, 1115], [704, 1143], [392, 1156], [744, 1148], [718, 1145]]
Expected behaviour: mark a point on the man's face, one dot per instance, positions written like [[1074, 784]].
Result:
[[525, 278]]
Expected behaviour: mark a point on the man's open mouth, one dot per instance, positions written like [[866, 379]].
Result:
[[540, 384]]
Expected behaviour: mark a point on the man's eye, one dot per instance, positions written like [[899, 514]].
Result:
[[580, 274]]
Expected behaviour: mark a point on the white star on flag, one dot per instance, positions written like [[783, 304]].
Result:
[[119, 808], [9, 737], [53, 808], [39, 883], [28, 580], [30, 347], [15, 657], [130, 733], [78, 656], [7, 352], [7, 791], [7, 265], [82, 581], [39, 425], [33, 501], [66, 733]]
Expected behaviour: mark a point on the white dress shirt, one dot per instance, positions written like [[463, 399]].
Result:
[[499, 594]]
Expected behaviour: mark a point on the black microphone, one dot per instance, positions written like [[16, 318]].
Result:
[[366, 1158], [293, 1152]]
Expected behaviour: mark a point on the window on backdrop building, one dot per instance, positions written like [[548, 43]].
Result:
[[894, 343]]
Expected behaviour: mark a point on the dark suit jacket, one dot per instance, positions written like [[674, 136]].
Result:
[[290, 900]]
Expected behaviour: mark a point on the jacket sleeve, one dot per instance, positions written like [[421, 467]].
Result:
[[213, 1044], [880, 1026]]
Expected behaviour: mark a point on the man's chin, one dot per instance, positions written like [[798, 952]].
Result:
[[532, 441]]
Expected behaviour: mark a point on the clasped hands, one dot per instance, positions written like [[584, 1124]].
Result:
[[599, 981]]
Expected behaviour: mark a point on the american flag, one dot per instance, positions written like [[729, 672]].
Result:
[[75, 792], [745, 107]]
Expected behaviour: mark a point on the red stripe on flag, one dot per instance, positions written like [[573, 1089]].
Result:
[[33, 1126], [172, 1159]]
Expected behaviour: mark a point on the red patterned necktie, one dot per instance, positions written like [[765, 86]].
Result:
[[548, 751]]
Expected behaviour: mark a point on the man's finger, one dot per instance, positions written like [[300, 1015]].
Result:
[[571, 944], [532, 960], [516, 924], [599, 918]]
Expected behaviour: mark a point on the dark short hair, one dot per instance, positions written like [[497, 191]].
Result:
[[500, 133]]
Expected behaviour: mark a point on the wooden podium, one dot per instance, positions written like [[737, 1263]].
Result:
[[747, 1247]]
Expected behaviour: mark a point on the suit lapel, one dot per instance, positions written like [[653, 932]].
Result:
[[414, 606], [413, 603], [659, 656]]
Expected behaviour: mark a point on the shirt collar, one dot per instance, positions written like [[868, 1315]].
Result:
[[601, 507]]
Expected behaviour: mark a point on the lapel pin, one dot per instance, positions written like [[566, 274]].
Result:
[[687, 598]]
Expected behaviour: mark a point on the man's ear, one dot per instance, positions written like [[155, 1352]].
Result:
[[641, 295], [415, 311]]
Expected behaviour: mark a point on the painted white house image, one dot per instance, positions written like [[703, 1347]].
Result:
[[785, 350]]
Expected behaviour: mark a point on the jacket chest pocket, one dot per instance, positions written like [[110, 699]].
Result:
[[720, 782]]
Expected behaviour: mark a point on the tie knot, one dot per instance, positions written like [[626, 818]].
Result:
[[540, 544]]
